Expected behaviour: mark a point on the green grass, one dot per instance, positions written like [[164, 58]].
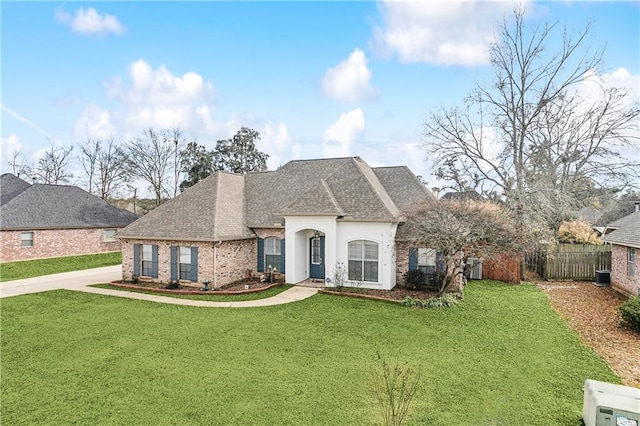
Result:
[[502, 357], [35, 268], [273, 291]]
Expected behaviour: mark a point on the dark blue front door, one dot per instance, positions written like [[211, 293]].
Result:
[[316, 257]]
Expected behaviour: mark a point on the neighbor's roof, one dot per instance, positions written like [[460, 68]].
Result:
[[10, 187], [227, 206], [626, 231], [41, 206], [211, 210]]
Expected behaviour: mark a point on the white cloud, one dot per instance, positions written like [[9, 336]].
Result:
[[94, 123], [90, 22], [349, 80], [158, 98], [439, 32], [341, 135]]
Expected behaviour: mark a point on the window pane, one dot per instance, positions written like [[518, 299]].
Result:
[[426, 257], [185, 271], [315, 251], [147, 268], [355, 250], [146, 252], [272, 246], [272, 261], [371, 271], [185, 255], [355, 270], [370, 250], [26, 239]]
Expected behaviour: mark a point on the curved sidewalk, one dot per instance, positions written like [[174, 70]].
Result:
[[80, 281]]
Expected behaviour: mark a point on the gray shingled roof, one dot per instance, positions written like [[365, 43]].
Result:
[[10, 187], [626, 231], [43, 206], [404, 188], [211, 210], [226, 206]]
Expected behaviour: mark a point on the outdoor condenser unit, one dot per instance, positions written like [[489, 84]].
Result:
[[603, 277], [608, 404]]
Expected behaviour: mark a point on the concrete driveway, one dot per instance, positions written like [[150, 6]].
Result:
[[75, 280], [80, 280]]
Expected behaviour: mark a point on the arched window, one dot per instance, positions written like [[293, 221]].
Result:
[[363, 261]]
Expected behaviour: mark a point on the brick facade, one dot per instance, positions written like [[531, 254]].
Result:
[[55, 243], [620, 279], [231, 260]]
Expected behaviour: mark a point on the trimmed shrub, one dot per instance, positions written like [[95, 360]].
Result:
[[415, 280], [444, 301], [630, 312]]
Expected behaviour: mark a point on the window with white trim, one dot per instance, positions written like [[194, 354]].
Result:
[[26, 239], [108, 235], [184, 263], [631, 261], [363, 261], [146, 260], [272, 253]]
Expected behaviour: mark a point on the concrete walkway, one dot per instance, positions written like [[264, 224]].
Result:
[[80, 281]]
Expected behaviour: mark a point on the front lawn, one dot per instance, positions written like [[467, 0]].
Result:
[[503, 357], [35, 268]]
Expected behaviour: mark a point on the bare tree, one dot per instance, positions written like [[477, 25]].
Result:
[[18, 167], [459, 229], [52, 166], [528, 137], [151, 158], [89, 151], [106, 166]]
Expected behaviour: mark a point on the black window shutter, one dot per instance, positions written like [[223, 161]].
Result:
[[194, 264], [174, 263], [413, 259], [260, 255], [154, 261]]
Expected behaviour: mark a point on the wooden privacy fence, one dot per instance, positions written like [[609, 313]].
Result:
[[570, 261]]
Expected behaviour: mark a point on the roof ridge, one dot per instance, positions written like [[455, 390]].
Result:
[[332, 197], [377, 187]]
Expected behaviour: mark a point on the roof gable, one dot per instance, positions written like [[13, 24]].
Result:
[[10, 187], [211, 210]]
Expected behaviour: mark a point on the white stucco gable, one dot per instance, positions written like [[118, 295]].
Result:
[[337, 234]]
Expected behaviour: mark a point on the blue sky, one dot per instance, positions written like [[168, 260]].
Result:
[[316, 79]]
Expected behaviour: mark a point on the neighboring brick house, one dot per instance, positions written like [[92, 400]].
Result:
[[40, 221], [624, 237], [301, 220]]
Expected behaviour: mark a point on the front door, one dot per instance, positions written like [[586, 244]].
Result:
[[316, 257]]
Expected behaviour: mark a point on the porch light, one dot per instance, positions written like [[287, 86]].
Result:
[[316, 233]]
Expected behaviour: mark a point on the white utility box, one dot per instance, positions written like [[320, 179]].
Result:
[[606, 404]]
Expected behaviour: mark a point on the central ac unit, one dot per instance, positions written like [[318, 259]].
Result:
[[608, 404]]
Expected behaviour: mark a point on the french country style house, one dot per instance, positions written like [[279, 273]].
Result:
[[301, 220]]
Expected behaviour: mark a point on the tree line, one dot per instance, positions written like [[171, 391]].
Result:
[[164, 159]]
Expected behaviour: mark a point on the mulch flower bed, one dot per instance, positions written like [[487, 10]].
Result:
[[240, 287], [593, 313], [397, 294]]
